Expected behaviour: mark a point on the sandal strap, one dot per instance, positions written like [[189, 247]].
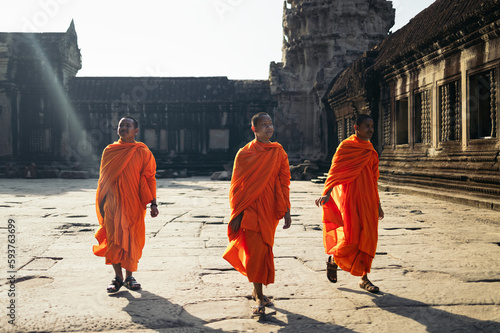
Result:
[[116, 284], [131, 280]]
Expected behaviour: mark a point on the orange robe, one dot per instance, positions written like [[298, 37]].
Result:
[[126, 185], [260, 189], [350, 217]]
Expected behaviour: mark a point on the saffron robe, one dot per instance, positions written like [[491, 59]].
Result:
[[126, 185], [350, 217], [260, 189]]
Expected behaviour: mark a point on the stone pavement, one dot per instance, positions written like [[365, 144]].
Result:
[[437, 265]]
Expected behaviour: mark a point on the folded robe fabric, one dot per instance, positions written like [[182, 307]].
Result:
[[350, 217], [126, 185], [260, 190]]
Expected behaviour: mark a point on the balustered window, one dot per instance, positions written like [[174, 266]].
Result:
[[348, 127], [450, 112], [40, 140], [387, 122], [483, 105], [422, 120], [340, 130]]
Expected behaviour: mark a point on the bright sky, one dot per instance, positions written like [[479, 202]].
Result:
[[233, 38]]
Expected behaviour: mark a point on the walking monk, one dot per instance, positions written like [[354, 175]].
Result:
[[259, 198], [351, 206], [126, 185]]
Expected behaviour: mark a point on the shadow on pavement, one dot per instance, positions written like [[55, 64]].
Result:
[[300, 323], [434, 319], [157, 313]]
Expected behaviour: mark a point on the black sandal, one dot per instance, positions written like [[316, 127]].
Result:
[[331, 270], [132, 284], [115, 285]]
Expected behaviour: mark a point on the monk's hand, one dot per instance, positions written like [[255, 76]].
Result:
[[380, 212], [235, 223], [322, 200], [154, 211], [288, 220]]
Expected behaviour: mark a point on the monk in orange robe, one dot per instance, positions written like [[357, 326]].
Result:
[[126, 185], [351, 206], [259, 198]]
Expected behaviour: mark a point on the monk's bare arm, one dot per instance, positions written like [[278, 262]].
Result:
[[288, 219], [235, 223], [154, 208], [380, 212], [324, 198]]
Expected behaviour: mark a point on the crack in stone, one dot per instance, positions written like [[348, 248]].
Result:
[[409, 228], [484, 280], [172, 220], [35, 258]]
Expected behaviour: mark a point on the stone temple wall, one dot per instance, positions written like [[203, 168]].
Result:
[[320, 39]]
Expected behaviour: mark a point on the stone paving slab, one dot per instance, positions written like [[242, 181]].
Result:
[[437, 264]]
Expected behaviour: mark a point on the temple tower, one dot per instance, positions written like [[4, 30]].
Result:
[[35, 69], [320, 39]]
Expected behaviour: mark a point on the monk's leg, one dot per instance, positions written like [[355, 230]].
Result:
[[118, 270], [258, 294]]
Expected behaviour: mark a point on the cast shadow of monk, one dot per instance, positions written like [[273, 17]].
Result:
[[435, 320], [154, 312], [296, 322]]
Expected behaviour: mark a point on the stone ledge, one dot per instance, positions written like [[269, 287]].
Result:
[[455, 197]]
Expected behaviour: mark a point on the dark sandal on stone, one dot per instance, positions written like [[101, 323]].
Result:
[[258, 311], [115, 285], [368, 286], [267, 301], [132, 284], [331, 270]]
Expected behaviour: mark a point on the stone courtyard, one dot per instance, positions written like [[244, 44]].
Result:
[[437, 265]]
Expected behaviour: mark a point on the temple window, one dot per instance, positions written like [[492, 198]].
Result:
[[348, 127], [40, 140], [450, 110], [483, 105], [402, 121], [218, 139], [422, 120], [340, 130], [387, 122], [150, 138]]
